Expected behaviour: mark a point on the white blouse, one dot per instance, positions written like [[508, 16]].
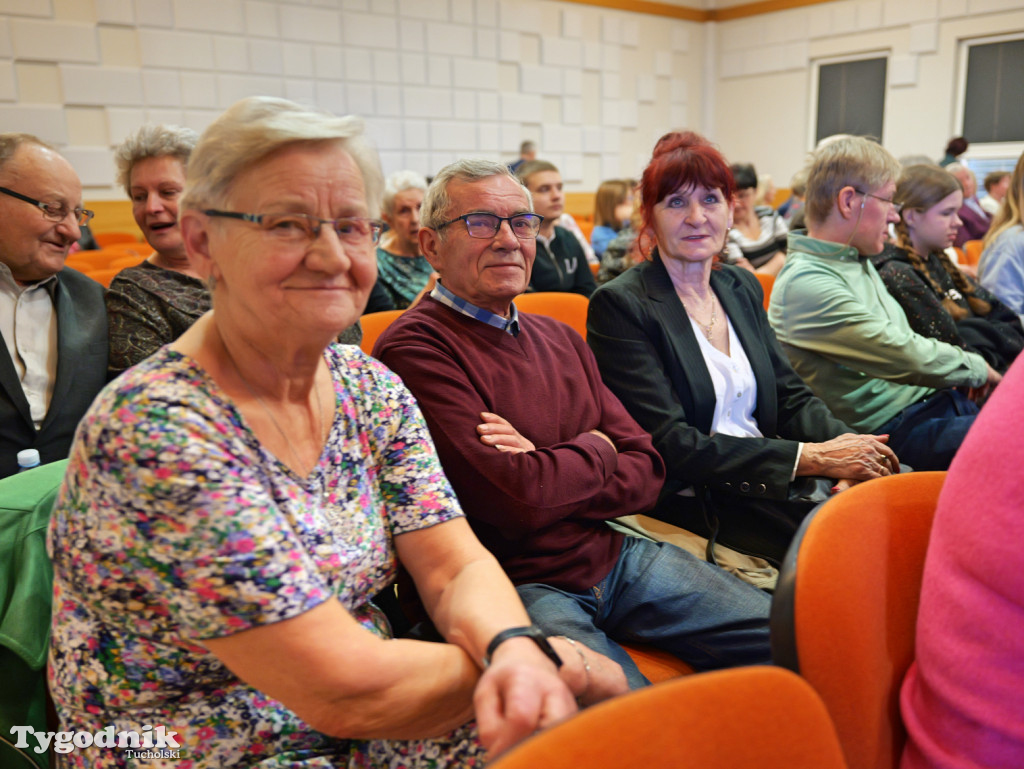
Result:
[[734, 383]]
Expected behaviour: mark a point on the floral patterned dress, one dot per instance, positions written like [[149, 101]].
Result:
[[175, 525]]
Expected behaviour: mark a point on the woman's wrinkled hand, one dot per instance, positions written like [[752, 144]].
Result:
[[591, 676], [520, 693], [857, 457]]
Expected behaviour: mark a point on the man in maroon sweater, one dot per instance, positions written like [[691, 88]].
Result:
[[539, 451]]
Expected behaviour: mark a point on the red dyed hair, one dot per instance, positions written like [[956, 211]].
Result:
[[682, 159]]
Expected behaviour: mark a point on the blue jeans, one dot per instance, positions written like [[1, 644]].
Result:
[[660, 595], [927, 434]]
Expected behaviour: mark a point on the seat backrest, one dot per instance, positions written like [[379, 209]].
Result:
[[845, 609], [104, 275], [731, 719], [373, 324], [767, 282], [26, 598], [972, 252], [109, 238], [568, 308]]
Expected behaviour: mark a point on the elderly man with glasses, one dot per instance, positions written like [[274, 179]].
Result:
[[847, 337], [52, 320], [539, 451]]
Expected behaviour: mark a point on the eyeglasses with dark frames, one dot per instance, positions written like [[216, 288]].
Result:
[[303, 228], [482, 225], [897, 207], [54, 212]]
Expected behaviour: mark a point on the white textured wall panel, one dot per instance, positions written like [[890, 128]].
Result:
[[297, 59], [328, 62], [101, 85], [520, 15], [93, 165], [199, 90], [154, 13], [423, 9], [266, 57], [231, 88], [207, 16], [561, 52], [367, 29], [162, 88], [261, 18], [312, 25], [439, 71], [184, 50], [54, 41], [122, 122], [8, 90], [924, 37], [482, 75], [45, 121], [115, 11], [486, 13], [230, 54]]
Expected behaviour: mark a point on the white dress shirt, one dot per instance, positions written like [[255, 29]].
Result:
[[28, 323]]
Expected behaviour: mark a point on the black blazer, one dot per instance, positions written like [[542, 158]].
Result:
[[650, 358], [81, 374]]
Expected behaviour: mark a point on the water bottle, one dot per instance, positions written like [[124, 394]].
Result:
[[27, 459]]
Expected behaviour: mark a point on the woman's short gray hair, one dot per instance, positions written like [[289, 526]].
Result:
[[400, 181], [255, 127], [437, 203], [152, 141]]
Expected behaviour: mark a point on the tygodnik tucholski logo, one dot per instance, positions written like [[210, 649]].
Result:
[[149, 742]]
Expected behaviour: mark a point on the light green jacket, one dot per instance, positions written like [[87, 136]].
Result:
[[850, 340]]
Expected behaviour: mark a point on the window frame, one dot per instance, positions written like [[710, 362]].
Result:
[[815, 80]]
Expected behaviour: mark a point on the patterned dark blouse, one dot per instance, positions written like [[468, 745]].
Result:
[[997, 337], [148, 307]]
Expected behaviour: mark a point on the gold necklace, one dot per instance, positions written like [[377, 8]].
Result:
[[270, 414], [707, 328]]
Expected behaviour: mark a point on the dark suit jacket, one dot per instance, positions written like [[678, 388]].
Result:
[[81, 373], [650, 358]]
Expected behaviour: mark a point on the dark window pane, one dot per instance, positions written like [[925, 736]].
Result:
[[993, 107], [851, 98]]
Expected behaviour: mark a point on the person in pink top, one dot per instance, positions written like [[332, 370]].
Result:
[[963, 698]]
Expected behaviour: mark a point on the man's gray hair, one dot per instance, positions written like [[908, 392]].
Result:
[[400, 181], [9, 143], [255, 127], [437, 203], [850, 161], [152, 141]]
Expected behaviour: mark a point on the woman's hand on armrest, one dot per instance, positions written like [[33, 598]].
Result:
[[857, 457]]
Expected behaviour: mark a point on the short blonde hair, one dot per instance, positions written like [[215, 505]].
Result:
[[255, 127], [849, 161]]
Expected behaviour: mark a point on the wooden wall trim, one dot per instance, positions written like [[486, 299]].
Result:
[[694, 14]]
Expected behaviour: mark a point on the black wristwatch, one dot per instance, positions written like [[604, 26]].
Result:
[[532, 632]]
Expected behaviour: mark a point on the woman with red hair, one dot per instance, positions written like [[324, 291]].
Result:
[[684, 342]]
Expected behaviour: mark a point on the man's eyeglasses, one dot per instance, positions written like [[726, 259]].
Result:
[[54, 212], [524, 226], [897, 207], [302, 228]]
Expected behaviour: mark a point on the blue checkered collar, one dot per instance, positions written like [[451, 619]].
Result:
[[448, 299]]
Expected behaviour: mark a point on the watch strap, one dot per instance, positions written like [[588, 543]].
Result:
[[532, 632]]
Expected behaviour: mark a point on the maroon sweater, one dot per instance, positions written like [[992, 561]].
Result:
[[542, 513]]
